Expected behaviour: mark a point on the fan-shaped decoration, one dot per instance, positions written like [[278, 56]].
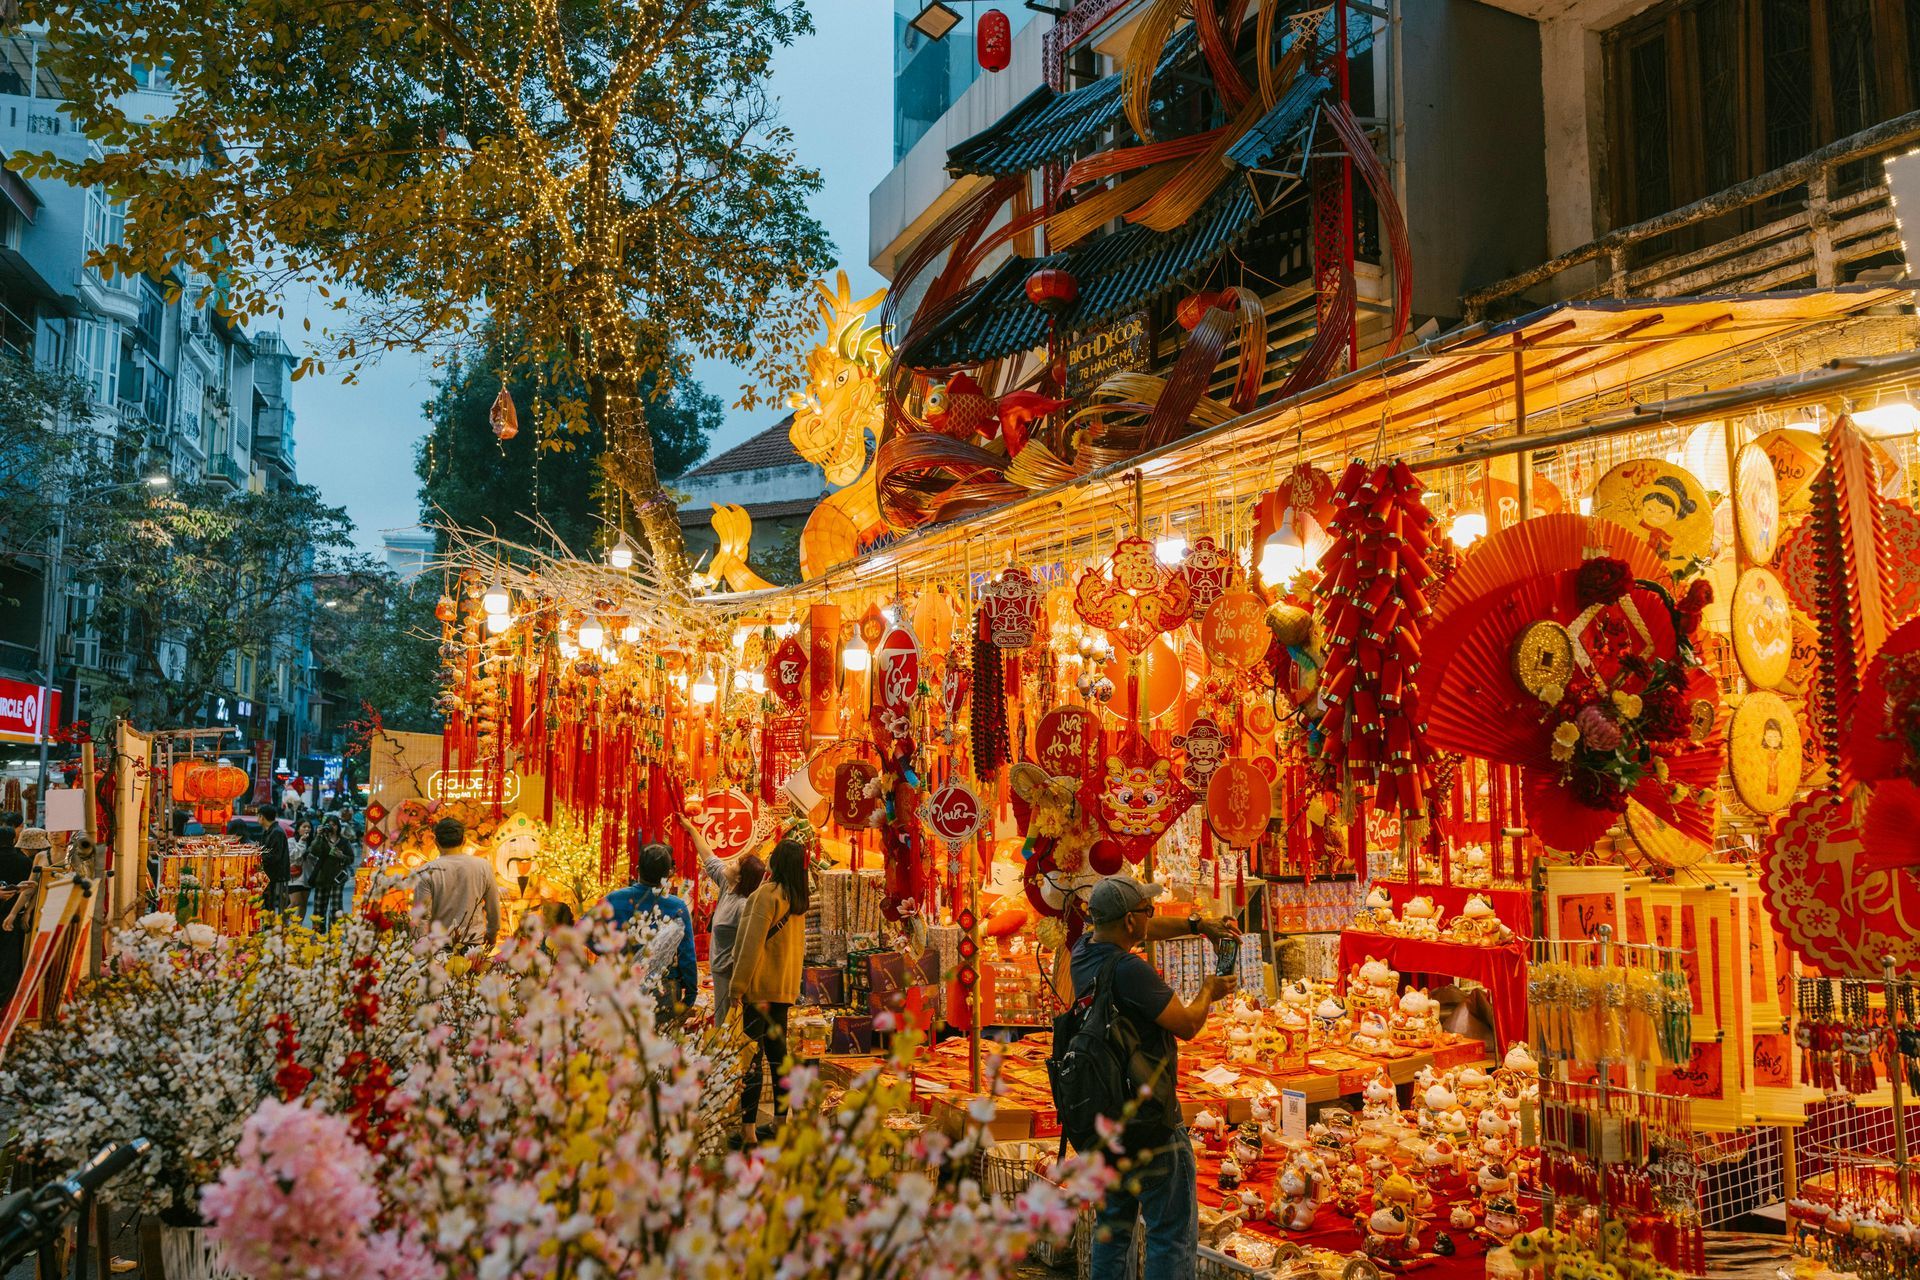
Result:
[[1756, 503], [1665, 505], [1140, 600], [1587, 680], [1762, 628], [1853, 589], [1884, 739], [1376, 607], [1545, 544], [1799, 570], [1836, 908], [1763, 752], [1239, 803]]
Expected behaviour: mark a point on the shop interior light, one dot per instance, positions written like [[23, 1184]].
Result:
[[1284, 555], [1170, 549], [704, 689], [568, 649], [497, 599], [592, 634], [1468, 528], [1892, 420], [160, 481], [498, 622], [620, 554], [935, 20], [630, 634], [757, 681], [742, 681], [854, 657], [741, 635]]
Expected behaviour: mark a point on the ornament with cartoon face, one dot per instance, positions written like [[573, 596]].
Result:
[[516, 847], [1206, 745], [1139, 797]]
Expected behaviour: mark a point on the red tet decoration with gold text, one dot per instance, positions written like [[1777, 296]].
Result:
[[1139, 601]]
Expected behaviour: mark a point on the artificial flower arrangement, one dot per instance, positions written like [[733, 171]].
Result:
[[565, 1134], [1617, 688], [186, 1032]]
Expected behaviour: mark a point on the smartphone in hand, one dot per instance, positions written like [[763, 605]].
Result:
[[1226, 957]]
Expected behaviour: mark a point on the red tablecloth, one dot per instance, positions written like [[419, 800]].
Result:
[[1333, 1230], [1501, 970]]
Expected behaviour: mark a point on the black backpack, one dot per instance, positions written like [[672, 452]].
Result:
[[1093, 1046], [1085, 1068]]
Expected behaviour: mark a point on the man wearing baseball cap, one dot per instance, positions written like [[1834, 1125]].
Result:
[[1158, 1181]]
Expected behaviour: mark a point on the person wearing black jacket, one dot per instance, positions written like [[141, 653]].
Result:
[[16, 871], [327, 859], [275, 859]]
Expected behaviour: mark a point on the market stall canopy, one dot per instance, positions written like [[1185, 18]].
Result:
[[1571, 363]]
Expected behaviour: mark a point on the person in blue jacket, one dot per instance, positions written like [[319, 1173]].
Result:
[[680, 984]]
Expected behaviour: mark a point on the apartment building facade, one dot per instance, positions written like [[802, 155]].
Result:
[[1538, 149], [173, 388]]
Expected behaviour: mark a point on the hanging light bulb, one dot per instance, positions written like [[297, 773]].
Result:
[[620, 554], [498, 622], [497, 599], [592, 634], [1890, 420], [1284, 554], [1468, 528], [854, 657], [757, 681], [568, 649], [704, 689], [1170, 549], [742, 682], [630, 634]]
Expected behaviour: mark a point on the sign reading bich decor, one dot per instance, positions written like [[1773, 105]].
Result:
[[25, 709]]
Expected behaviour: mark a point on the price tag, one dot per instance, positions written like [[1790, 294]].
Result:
[[1293, 1115]]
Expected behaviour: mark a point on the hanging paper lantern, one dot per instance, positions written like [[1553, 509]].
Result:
[[506, 422], [1052, 290], [1194, 307], [993, 40]]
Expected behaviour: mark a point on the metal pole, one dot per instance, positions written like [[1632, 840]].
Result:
[[1903, 1172], [51, 597]]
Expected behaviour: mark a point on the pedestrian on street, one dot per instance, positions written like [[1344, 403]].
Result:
[[1159, 1175], [276, 859], [769, 952], [457, 891], [16, 876], [298, 895], [327, 859], [670, 951], [735, 881]]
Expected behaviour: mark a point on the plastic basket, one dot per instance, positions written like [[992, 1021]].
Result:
[[1007, 1170]]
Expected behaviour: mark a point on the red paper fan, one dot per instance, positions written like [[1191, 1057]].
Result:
[[1537, 547], [1556, 819], [1870, 755], [1890, 832], [1473, 703]]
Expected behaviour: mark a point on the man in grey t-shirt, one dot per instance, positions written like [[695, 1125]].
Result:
[[457, 891]]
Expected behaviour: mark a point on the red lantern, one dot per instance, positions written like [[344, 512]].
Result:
[[505, 420], [1052, 290], [1194, 307], [993, 40]]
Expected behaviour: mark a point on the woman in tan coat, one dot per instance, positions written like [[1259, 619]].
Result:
[[769, 953]]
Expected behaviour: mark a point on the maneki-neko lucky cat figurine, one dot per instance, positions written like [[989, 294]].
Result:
[[1378, 911], [1419, 919], [1416, 1022], [1372, 985], [1479, 925]]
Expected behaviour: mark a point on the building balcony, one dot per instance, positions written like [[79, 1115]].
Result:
[[1812, 223], [223, 469]]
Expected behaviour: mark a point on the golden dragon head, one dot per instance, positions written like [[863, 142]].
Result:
[[842, 403]]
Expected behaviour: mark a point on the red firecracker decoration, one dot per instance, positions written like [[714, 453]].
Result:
[[993, 41], [1376, 603], [1052, 290]]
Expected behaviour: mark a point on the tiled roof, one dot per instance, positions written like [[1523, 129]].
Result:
[[703, 514], [771, 448], [1116, 273], [1046, 126], [1274, 130]]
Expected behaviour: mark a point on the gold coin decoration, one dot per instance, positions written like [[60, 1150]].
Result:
[[1756, 503], [1763, 752], [1661, 841], [1543, 659], [1762, 628], [1663, 504], [1701, 715]]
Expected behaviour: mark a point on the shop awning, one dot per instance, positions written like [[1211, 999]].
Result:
[[1116, 274], [1574, 363]]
